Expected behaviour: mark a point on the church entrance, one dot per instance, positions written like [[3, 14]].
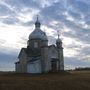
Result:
[[54, 65]]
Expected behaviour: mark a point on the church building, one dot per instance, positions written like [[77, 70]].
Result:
[[38, 56]]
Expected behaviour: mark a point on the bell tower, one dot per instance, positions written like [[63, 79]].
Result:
[[60, 53]]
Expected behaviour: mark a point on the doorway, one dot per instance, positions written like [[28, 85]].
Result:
[[54, 65]]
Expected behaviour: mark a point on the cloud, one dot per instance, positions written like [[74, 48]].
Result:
[[72, 62], [10, 20], [7, 61], [80, 6], [4, 10], [19, 5]]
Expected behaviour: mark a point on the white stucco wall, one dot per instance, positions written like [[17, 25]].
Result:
[[34, 67], [61, 60], [17, 67]]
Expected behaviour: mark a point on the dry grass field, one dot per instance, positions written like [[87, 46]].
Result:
[[76, 80]]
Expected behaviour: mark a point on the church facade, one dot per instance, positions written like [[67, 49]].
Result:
[[38, 56]]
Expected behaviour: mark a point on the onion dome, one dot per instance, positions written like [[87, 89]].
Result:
[[38, 33], [58, 40]]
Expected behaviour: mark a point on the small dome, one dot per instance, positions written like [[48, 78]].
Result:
[[38, 34], [37, 23], [58, 40]]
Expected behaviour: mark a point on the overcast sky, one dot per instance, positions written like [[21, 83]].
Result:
[[70, 17]]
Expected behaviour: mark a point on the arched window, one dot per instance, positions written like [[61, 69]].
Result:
[[35, 44]]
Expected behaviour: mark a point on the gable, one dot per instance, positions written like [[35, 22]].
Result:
[[53, 51], [22, 52], [53, 48]]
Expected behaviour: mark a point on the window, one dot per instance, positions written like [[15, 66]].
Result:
[[35, 45]]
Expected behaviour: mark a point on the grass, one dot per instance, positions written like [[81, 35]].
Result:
[[76, 80]]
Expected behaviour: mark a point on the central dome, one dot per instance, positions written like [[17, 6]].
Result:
[[38, 33]]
